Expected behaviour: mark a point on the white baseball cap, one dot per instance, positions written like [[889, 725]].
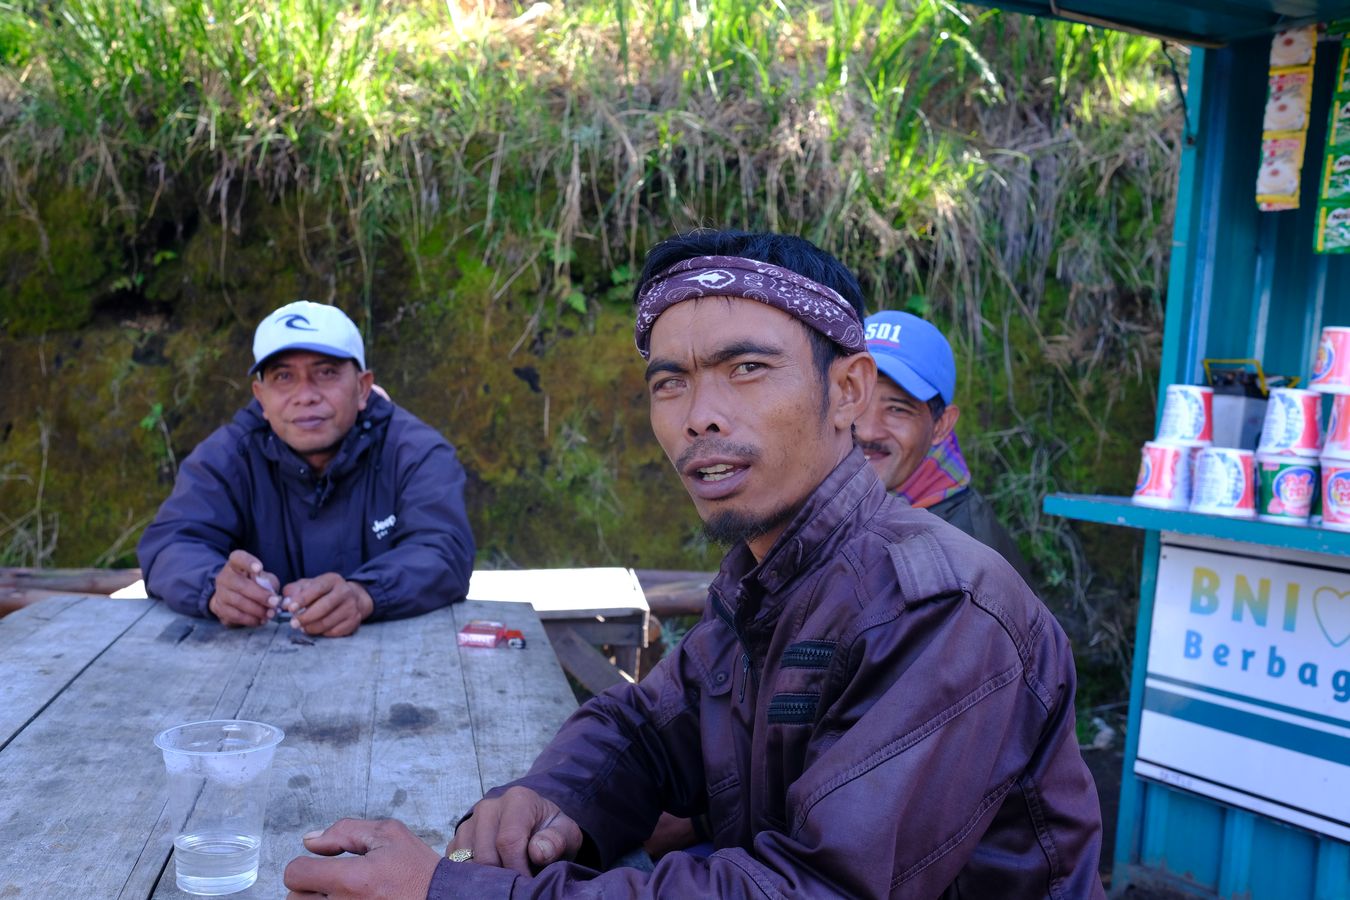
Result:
[[304, 325]]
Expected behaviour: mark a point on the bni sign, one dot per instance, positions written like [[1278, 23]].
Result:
[[1247, 694]]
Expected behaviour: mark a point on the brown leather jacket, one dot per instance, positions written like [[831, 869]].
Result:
[[882, 708]]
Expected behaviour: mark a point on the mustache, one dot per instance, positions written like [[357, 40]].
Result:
[[871, 445], [716, 447]]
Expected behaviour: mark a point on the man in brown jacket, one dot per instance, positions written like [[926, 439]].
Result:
[[877, 705]]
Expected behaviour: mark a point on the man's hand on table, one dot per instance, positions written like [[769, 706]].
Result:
[[502, 830], [327, 604], [389, 862], [245, 594]]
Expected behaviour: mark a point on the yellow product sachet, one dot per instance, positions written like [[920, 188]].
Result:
[[1284, 124]]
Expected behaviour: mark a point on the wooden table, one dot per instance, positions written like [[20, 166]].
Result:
[[396, 720]]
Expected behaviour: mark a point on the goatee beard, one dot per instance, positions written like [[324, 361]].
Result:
[[731, 528]]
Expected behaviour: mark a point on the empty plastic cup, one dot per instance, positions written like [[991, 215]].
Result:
[[218, 786]]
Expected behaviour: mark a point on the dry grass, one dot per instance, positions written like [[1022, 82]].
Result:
[[1009, 177]]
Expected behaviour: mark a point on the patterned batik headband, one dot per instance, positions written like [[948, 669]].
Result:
[[813, 303]]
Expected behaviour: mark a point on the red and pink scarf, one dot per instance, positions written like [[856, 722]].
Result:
[[942, 473]]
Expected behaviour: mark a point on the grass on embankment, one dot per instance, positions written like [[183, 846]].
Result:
[[1009, 177]]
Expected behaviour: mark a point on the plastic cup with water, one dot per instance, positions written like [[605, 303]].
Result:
[[218, 786]]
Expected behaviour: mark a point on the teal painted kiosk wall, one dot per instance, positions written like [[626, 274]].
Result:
[[1243, 284]]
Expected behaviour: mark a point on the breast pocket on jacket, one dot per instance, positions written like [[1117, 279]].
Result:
[[726, 753]]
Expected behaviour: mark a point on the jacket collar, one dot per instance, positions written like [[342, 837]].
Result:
[[366, 432], [851, 487]]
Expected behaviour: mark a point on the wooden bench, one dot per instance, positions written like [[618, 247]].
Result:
[[21, 586], [581, 609]]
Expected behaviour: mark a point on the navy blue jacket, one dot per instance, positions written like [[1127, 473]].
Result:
[[388, 512]]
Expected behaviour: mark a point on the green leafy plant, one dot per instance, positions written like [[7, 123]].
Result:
[[154, 423]]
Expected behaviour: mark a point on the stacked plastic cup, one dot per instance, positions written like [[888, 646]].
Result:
[[1166, 463], [1188, 416], [1285, 488], [1287, 467], [1331, 375], [1331, 367], [1164, 476], [1336, 466], [1224, 482]]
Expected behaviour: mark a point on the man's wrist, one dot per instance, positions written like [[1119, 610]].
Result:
[[452, 879], [365, 604]]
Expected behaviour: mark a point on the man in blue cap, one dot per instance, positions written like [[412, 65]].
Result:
[[908, 433], [321, 499]]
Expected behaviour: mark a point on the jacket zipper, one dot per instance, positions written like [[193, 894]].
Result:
[[808, 655], [793, 709], [725, 615]]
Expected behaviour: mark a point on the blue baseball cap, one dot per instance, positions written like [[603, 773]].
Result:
[[304, 325], [913, 353]]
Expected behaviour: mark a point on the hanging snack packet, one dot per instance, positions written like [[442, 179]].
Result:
[[1284, 126], [1333, 228], [1339, 128], [1277, 179], [1332, 232], [1293, 47], [1336, 174], [1287, 102]]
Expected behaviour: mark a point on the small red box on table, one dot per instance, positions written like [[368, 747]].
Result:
[[481, 633]]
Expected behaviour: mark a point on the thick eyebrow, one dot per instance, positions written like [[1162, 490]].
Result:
[[897, 397], [292, 366], [740, 348], [903, 400], [664, 365], [716, 358]]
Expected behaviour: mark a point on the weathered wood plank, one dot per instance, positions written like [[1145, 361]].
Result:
[[629, 631], [650, 578], [82, 787], [46, 646], [582, 661], [81, 581], [424, 770], [14, 599], [517, 698], [678, 598]]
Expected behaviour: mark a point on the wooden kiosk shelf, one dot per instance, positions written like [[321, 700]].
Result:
[[1106, 510]]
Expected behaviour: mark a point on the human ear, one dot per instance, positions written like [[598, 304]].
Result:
[[945, 423], [364, 382], [852, 380]]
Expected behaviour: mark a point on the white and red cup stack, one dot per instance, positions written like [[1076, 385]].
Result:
[[1166, 462], [1331, 375], [1287, 456], [1225, 482]]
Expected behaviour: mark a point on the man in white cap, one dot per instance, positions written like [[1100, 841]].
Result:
[[908, 432], [321, 499]]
